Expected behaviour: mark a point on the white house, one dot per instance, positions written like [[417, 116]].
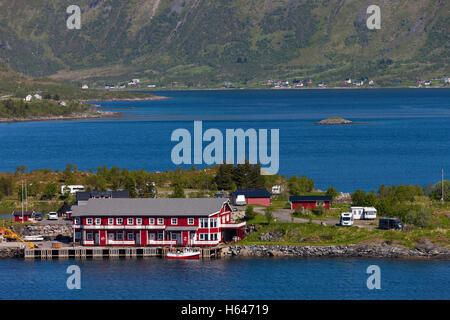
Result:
[[38, 97], [84, 86], [348, 80], [72, 188], [62, 103], [28, 97]]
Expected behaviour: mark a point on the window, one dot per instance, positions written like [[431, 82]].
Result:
[[204, 223], [77, 220], [130, 236], [89, 221], [98, 221], [151, 221], [191, 221], [160, 220], [119, 221], [160, 236], [138, 220], [119, 236], [130, 221], [173, 236], [228, 217], [110, 220], [213, 223], [89, 236], [77, 235], [223, 219], [213, 236], [174, 221], [203, 236], [111, 236]]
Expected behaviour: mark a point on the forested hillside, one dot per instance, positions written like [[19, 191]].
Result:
[[212, 41]]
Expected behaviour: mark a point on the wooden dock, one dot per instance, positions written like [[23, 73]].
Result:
[[107, 252]]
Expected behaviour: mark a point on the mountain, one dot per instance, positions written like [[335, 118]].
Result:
[[212, 41]]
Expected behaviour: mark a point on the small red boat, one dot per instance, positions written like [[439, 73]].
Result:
[[186, 253]]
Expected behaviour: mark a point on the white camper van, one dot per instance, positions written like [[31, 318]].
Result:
[[240, 200], [370, 213], [357, 212], [346, 219]]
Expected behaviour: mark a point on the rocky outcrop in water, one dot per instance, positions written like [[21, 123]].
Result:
[[11, 253], [425, 251]]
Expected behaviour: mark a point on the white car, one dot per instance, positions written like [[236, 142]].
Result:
[[52, 216]]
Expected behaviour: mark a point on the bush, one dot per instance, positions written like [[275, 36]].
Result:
[[419, 217], [249, 213]]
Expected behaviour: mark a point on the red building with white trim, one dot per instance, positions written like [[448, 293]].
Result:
[[155, 222], [253, 196], [25, 216], [310, 202]]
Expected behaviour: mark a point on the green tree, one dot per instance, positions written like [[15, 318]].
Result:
[[298, 186], [332, 192], [177, 192], [50, 191], [249, 213], [436, 191], [268, 213]]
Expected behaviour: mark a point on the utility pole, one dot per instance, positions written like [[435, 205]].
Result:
[[442, 185], [22, 201]]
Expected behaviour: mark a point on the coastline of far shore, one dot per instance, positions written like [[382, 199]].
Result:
[[77, 116]]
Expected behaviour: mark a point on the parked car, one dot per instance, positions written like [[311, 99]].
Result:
[[390, 223], [52, 216], [346, 219], [38, 217]]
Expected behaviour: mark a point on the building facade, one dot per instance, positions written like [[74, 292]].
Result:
[[310, 202], [155, 222], [253, 196]]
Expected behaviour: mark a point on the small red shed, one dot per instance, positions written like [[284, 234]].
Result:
[[310, 202], [27, 216], [253, 196]]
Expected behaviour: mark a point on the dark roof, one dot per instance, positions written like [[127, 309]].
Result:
[[252, 193], [85, 195], [25, 213], [309, 198], [149, 207]]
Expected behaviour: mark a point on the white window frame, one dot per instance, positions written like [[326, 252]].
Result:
[[213, 223], [89, 236], [89, 220], [191, 221], [160, 221], [119, 236], [138, 221], [98, 221], [160, 236], [119, 219], [173, 236], [151, 221], [128, 221], [77, 220], [111, 221], [130, 236], [174, 221]]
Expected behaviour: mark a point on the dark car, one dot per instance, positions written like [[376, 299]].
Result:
[[38, 217], [390, 223]]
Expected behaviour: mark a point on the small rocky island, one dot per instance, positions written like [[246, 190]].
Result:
[[334, 121]]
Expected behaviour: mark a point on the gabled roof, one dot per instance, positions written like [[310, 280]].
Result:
[[252, 193], [149, 207], [85, 195], [25, 213], [309, 198]]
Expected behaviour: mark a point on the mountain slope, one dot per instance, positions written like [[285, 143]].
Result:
[[200, 41]]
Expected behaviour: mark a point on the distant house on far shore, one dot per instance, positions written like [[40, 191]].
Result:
[[28, 97], [38, 96]]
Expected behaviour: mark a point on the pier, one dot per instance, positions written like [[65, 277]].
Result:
[[107, 252]]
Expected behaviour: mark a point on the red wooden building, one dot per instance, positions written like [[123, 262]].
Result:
[[253, 196], [155, 222], [27, 216], [310, 202]]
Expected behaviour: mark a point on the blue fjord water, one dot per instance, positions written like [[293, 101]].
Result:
[[404, 138], [235, 278]]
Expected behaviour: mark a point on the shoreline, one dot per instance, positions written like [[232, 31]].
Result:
[[369, 251], [351, 251], [152, 98], [82, 116]]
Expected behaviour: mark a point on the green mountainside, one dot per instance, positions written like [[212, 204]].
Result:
[[208, 42]]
